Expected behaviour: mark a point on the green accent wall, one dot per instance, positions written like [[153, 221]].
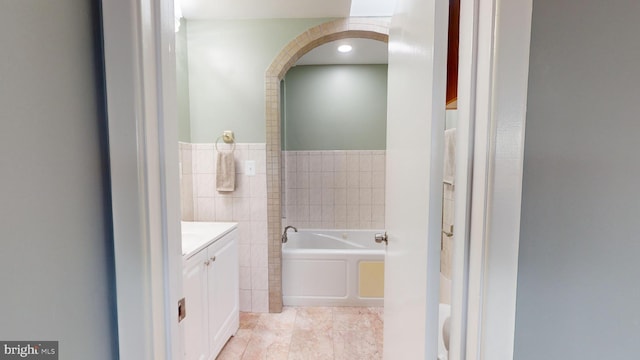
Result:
[[227, 63], [336, 107], [182, 83]]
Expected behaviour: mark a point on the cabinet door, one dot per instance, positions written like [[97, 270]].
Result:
[[196, 327], [223, 291]]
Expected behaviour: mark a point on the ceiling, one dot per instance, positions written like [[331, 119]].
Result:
[[283, 9], [365, 51]]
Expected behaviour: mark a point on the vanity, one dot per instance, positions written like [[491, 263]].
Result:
[[211, 287]]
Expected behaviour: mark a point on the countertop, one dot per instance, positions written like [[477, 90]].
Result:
[[198, 235]]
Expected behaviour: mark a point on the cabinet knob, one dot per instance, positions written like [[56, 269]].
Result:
[[207, 262], [213, 258]]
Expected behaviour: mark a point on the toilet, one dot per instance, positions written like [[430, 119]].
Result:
[[444, 315]]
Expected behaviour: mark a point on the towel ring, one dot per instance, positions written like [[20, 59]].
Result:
[[226, 139]]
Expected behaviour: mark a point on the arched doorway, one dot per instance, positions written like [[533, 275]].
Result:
[[368, 28]]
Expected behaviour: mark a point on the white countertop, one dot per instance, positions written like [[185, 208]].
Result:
[[198, 235]]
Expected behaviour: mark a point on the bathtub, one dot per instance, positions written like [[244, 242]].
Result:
[[333, 268]]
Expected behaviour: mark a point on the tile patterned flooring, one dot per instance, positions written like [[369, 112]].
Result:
[[308, 333]]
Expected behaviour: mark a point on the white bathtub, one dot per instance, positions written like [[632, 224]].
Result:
[[332, 268]]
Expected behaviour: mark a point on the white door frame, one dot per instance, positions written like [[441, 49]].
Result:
[[140, 79], [139, 62], [468, 44], [500, 67]]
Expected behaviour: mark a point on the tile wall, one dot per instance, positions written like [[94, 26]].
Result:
[[321, 189], [334, 189], [247, 206]]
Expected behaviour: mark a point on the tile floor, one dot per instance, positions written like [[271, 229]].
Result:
[[308, 333]]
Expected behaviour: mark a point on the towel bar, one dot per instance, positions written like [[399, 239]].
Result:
[[228, 138]]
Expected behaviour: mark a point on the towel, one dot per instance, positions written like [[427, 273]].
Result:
[[225, 172], [449, 156]]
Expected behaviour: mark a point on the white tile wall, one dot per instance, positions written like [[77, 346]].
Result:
[[321, 189], [247, 206], [334, 189]]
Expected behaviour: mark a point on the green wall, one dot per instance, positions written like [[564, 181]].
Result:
[[227, 63], [451, 119], [336, 107], [182, 83]]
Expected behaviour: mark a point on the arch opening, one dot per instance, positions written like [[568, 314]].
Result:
[[367, 28]]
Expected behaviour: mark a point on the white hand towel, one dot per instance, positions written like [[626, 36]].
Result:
[[449, 156], [225, 172]]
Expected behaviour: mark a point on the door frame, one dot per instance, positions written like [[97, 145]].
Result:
[[140, 76], [494, 80], [140, 82]]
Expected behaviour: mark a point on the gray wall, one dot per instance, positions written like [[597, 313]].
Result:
[[336, 107], [227, 64], [182, 83], [578, 292], [55, 244]]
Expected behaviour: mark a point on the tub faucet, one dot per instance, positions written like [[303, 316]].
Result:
[[284, 234]]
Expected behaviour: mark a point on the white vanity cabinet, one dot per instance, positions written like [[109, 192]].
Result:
[[211, 289], [196, 326], [223, 292]]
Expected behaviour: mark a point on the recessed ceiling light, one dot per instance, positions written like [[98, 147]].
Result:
[[345, 48]]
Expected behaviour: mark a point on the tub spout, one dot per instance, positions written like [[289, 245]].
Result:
[[284, 234]]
